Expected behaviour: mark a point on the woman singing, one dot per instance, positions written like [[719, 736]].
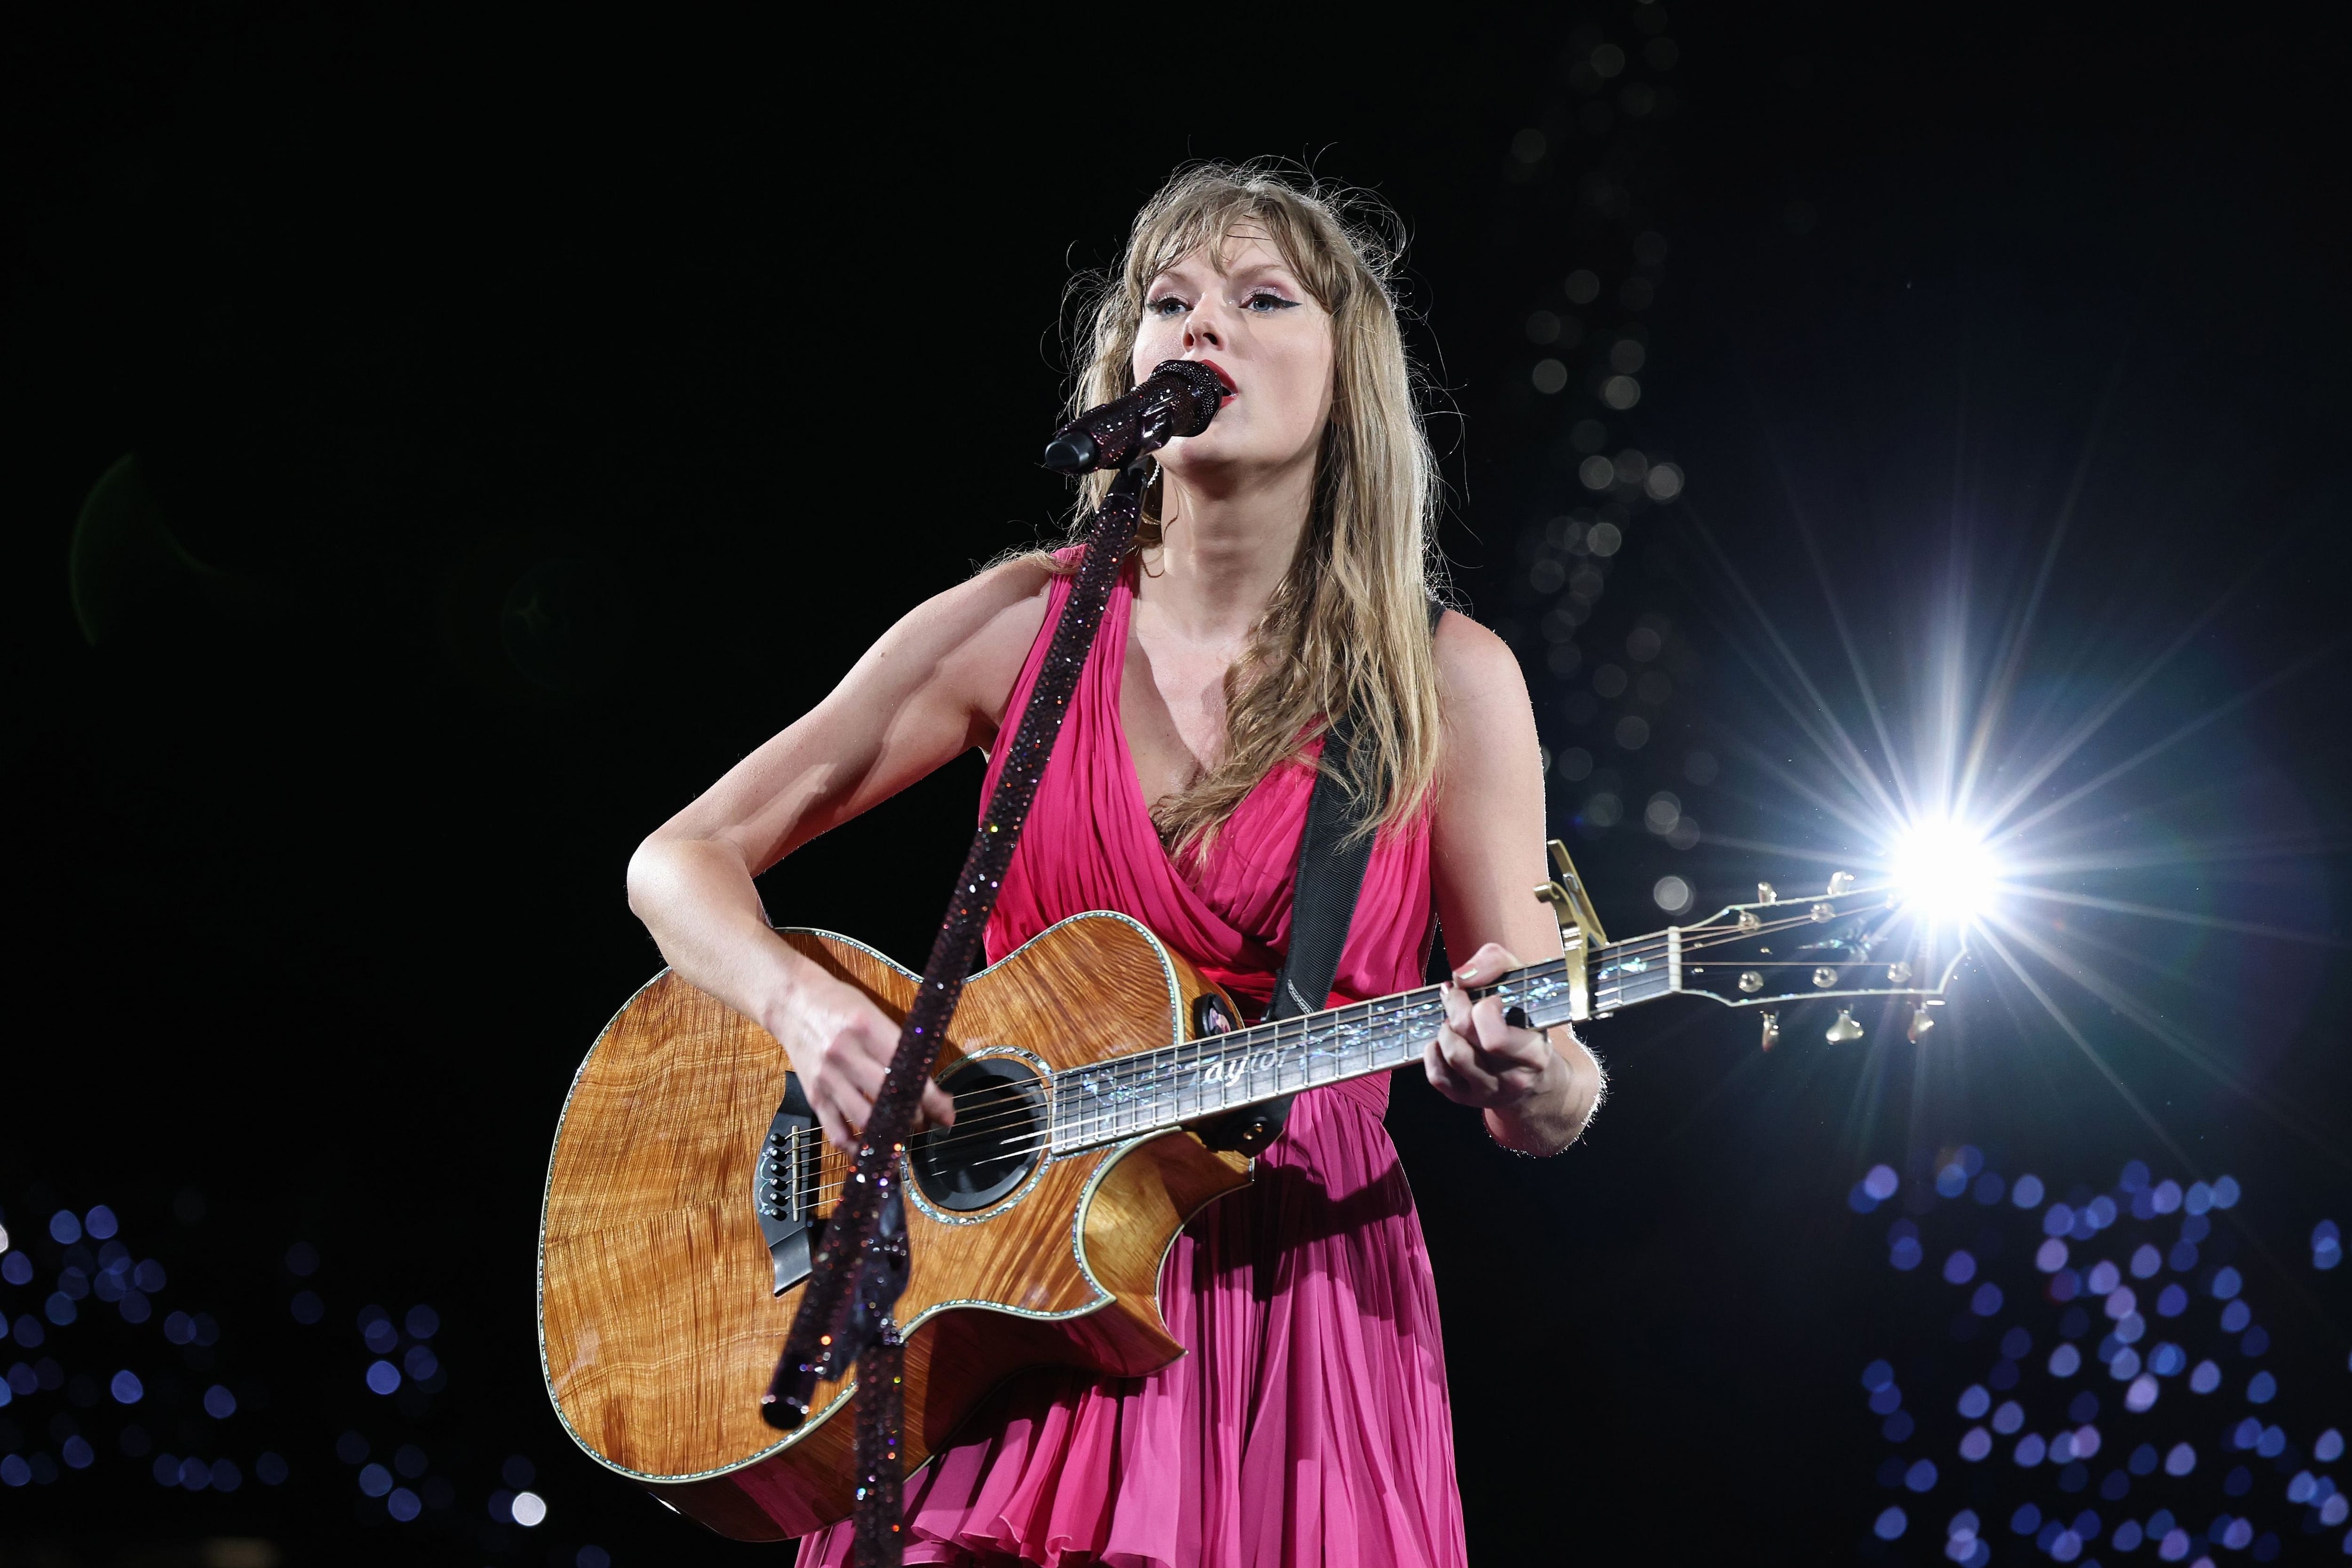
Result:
[[1281, 578]]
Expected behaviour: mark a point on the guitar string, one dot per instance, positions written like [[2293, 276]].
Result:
[[1125, 1070], [1047, 1138], [1038, 1131], [1104, 1126], [1126, 1073], [1402, 1010], [1085, 1136]]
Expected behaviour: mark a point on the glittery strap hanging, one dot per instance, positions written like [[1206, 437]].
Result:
[[844, 1314]]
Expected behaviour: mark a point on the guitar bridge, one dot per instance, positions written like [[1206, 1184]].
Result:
[[784, 1185]]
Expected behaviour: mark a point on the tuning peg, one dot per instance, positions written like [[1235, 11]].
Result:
[[1921, 1021], [1772, 1030], [1764, 895], [1840, 883], [1845, 1029], [1898, 973], [1751, 980], [1750, 921]]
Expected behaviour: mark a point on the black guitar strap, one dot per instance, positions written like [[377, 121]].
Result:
[[1330, 879]]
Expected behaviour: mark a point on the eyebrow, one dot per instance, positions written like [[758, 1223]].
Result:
[[1256, 270], [1260, 268]]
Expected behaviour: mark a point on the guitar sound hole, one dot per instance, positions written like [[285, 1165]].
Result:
[[997, 1140]]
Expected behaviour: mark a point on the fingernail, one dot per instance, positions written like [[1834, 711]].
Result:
[[1463, 976]]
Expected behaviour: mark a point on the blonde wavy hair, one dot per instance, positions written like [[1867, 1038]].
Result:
[[1349, 628]]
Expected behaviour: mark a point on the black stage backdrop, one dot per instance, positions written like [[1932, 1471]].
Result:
[[517, 422]]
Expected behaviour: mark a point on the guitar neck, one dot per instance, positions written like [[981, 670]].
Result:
[[1127, 1096]]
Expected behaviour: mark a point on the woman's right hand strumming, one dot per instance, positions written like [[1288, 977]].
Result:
[[841, 1044], [934, 686]]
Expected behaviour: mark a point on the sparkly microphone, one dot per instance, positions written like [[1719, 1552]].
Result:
[[1178, 398]]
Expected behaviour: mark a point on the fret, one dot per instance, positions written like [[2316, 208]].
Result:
[[1137, 1111], [1328, 1059]]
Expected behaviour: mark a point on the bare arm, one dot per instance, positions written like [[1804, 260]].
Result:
[[1488, 842], [932, 688]]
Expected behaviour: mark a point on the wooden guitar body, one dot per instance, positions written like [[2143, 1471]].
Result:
[[659, 1323]]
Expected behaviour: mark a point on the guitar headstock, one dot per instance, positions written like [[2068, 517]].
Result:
[[1848, 941]]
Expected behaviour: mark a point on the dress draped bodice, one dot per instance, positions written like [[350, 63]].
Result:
[[1307, 1426], [1227, 910]]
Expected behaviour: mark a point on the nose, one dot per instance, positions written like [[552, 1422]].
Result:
[[1203, 327]]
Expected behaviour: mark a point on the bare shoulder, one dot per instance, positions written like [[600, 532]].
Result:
[[973, 638], [1005, 601], [1478, 678]]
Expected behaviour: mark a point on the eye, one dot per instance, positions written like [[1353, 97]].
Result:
[[1266, 302], [1166, 305]]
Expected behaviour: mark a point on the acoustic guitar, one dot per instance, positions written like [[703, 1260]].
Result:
[[688, 1174]]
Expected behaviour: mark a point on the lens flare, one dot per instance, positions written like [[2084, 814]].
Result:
[[1945, 870]]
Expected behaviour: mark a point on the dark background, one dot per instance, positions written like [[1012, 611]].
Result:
[[505, 398]]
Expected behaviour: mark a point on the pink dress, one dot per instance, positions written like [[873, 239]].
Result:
[[1308, 1424]]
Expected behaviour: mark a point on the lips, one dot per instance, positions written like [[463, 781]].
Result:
[[1218, 371]]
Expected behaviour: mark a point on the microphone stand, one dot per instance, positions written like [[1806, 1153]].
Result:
[[860, 1268]]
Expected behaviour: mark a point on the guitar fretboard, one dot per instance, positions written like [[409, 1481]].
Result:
[[1127, 1096]]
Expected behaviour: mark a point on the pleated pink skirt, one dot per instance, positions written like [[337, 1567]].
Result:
[[1307, 1427]]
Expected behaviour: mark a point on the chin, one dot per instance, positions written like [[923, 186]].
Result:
[[1214, 449]]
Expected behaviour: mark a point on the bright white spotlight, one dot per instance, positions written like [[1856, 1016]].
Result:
[[1945, 870]]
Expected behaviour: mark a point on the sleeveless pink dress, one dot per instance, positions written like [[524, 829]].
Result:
[[1307, 1426]]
